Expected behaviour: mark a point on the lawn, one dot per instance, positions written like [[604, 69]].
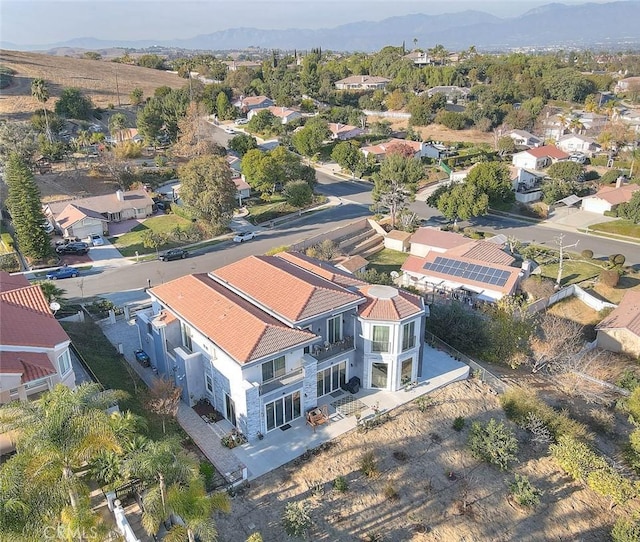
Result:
[[619, 227], [114, 372], [387, 260], [130, 243], [573, 272]]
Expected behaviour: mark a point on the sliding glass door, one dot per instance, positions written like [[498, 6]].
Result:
[[282, 410]]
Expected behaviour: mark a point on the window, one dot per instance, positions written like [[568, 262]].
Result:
[[408, 336], [331, 378], [282, 410], [406, 371], [380, 341], [273, 369], [334, 329], [186, 336], [209, 383], [149, 328], [379, 375], [64, 362]]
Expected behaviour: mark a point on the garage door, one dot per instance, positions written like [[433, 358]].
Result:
[[85, 230]]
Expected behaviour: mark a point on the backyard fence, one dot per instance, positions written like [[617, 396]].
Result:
[[571, 290]]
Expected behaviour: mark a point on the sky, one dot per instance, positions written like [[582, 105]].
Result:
[[33, 22]]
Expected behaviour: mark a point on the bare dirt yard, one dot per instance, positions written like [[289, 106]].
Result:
[[66, 182], [96, 77], [427, 488]]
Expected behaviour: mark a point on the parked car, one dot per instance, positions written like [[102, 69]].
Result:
[[229, 130], [241, 121], [48, 227], [174, 254], [244, 236], [95, 240], [578, 158], [62, 273], [142, 358], [73, 248]]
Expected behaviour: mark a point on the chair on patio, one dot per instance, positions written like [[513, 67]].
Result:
[[318, 416]]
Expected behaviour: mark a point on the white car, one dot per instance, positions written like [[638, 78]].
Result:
[[241, 121], [229, 130], [95, 240], [244, 236]]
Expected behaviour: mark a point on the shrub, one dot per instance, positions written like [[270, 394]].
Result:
[[207, 471], [255, 537], [608, 483], [617, 259], [369, 465], [390, 492], [587, 254], [625, 531], [296, 519], [609, 277], [276, 250], [537, 286], [632, 405], [576, 458], [423, 403], [494, 443], [603, 419], [128, 149], [298, 193], [523, 492], [629, 380], [340, 484], [458, 423]]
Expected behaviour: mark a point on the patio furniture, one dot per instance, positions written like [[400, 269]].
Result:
[[353, 386], [318, 416]]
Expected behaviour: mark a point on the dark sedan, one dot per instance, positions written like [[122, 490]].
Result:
[[174, 254], [73, 248]]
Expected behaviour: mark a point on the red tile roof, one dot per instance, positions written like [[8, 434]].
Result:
[[389, 304], [242, 330], [548, 150], [434, 237], [12, 282], [27, 320], [353, 263], [75, 213], [321, 268], [31, 365], [616, 195], [626, 315], [284, 288], [482, 251]]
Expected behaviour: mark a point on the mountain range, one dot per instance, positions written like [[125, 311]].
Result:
[[613, 25]]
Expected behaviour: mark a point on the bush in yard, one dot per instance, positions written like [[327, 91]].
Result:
[[537, 286], [523, 492], [576, 458], [458, 423], [340, 484], [298, 193], [632, 405], [255, 537], [369, 465], [629, 380], [610, 277], [587, 254], [609, 483], [625, 531], [494, 443], [617, 259], [390, 492], [296, 519]]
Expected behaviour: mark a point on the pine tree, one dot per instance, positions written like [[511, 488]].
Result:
[[23, 202]]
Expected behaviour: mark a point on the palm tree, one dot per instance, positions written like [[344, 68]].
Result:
[[55, 437], [564, 122], [576, 126], [195, 508], [118, 124], [83, 139], [40, 92], [50, 290]]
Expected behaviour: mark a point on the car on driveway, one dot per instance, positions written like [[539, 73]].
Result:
[[173, 254], [229, 130], [95, 239], [73, 248], [241, 121], [62, 273], [244, 236]]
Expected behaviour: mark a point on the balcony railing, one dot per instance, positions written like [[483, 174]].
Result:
[[285, 380], [328, 350], [172, 346], [381, 346]]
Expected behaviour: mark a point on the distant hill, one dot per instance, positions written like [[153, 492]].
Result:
[[612, 25]]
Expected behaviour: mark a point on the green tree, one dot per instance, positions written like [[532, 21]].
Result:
[[136, 96], [494, 180], [566, 171], [460, 201], [118, 126], [263, 122], [506, 145], [224, 108], [494, 443], [396, 183], [151, 61], [55, 436], [298, 193], [44, 121], [554, 190], [50, 290], [23, 202], [347, 155], [40, 92], [631, 209], [243, 143], [150, 120], [17, 138], [153, 239], [74, 105], [309, 140], [207, 188]]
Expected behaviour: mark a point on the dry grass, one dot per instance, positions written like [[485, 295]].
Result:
[[629, 281], [437, 132], [96, 77], [575, 310]]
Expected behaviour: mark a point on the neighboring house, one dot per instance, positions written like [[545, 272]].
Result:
[[452, 93], [577, 143], [476, 270], [398, 240], [435, 151], [527, 185], [539, 157], [353, 264], [263, 339], [234, 65], [248, 103], [630, 117], [522, 138], [620, 331], [609, 197], [362, 82], [235, 165], [344, 131], [243, 190], [428, 239], [285, 114], [627, 84], [126, 134], [380, 150], [85, 216], [34, 349], [419, 58]]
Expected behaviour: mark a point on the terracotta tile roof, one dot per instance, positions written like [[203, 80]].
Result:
[[284, 288], [31, 365], [254, 100], [482, 251], [353, 263], [389, 304], [322, 269], [415, 145], [27, 320], [616, 195], [242, 330], [626, 315], [337, 128], [398, 235], [548, 150], [241, 184], [164, 318], [434, 237], [12, 282], [281, 112], [75, 213]]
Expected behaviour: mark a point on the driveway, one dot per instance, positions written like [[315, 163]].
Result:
[[574, 217], [107, 256]]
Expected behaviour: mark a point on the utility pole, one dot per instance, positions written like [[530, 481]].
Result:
[[117, 87], [559, 240]]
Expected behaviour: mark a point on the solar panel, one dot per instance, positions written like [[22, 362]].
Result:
[[476, 272]]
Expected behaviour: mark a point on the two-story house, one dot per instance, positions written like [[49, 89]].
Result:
[[539, 157], [264, 338]]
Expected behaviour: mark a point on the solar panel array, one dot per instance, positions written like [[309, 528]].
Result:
[[465, 270]]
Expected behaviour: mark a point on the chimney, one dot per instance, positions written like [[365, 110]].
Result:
[[363, 79], [620, 181], [120, 195]]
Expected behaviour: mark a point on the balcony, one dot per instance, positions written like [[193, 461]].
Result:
[[172, 346], [329, 350], [285, 380], [381, 347]]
